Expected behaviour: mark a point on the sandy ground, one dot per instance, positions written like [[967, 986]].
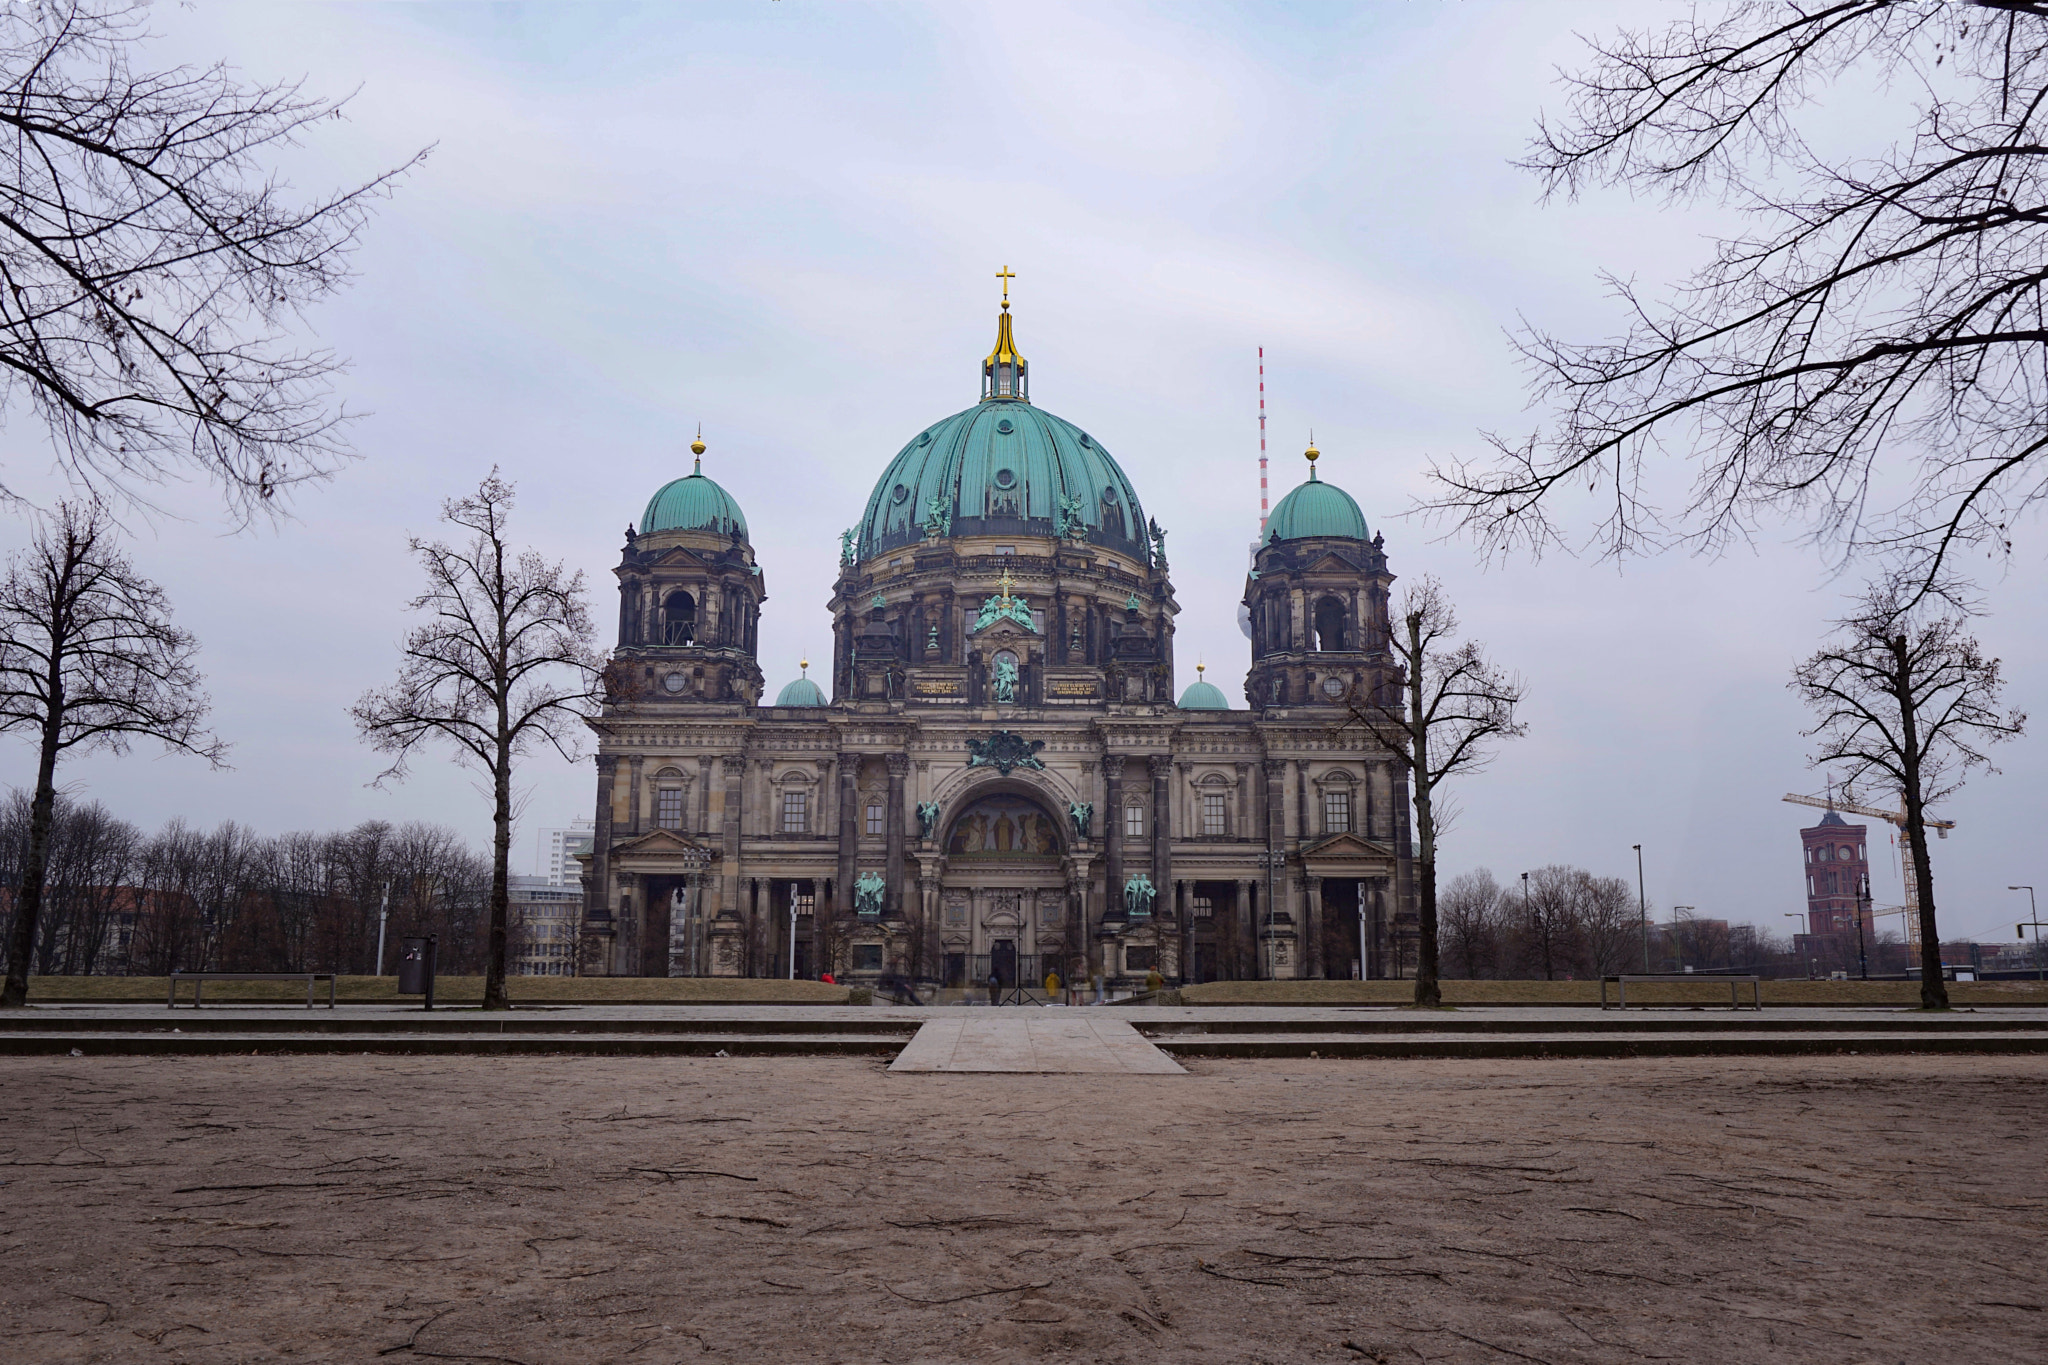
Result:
[[654, 1210]]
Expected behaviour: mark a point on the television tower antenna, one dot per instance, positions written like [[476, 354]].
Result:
[[1262, 442]]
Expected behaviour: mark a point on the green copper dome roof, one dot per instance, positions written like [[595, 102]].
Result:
[[1003, 468], [693, 503], [802, 692], [1316, 509], [1203, 695]]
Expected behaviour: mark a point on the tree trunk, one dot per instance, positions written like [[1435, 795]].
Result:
[[1933, 990], [1427, 992], [28, 899], [495, 997]]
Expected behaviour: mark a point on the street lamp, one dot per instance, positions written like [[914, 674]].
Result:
[[1862, 909], [1678, 945], [1789, 914], [2033, 918], [1642, 904]]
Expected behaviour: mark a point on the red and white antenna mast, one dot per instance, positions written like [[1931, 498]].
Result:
[[1262, 441]]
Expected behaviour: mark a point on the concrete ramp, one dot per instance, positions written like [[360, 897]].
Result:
[[1064, 1042]]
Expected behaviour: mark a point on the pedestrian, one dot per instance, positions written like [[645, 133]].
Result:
[[1154, 982], [995, 989], [826, 977], [1052, 985]]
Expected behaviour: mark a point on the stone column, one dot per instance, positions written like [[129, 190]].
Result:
[[704, 795], [893, 825], [848, 803], [1161, 766], [633, 825], [1112, 847], [1312, 960], [735, 768], [1244, 933], [599, 937]]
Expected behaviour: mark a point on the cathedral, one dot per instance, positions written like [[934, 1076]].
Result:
[[993, 773]]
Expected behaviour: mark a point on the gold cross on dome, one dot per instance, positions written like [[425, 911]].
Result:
[[1007, 582], [1006, 275]]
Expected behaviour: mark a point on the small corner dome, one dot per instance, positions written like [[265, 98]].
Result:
[[693, 503], [802, 692], [1203, 695]]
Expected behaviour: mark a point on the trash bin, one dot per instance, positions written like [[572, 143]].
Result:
[[416, 967]]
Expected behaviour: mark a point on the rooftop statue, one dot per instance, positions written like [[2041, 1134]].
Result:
[[846, 546]]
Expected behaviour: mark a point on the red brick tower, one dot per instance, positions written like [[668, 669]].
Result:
[[1837, 869]]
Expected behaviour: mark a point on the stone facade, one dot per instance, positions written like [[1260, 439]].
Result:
[[1001, 780]]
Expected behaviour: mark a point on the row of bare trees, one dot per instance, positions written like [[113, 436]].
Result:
[[118, 901]]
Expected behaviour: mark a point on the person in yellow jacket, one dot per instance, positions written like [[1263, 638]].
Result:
[[1052, 986], [1154, 982]]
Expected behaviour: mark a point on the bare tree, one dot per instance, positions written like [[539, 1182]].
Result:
[[1907, 703], [504, 662], [1453, 707], [153, 263], [89, 660], [1885, 329], [1469, 924]]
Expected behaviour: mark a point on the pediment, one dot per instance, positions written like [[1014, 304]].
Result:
[[1344, 848], [1003, 629], [678, 557], [1334, 563], [664, 844]]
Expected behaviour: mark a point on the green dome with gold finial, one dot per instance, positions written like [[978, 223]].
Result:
[[694, 503], [1316, 509]]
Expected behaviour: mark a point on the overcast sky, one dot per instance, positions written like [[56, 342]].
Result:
[[783, 220]]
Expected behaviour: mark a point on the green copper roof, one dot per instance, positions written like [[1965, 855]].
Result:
[[1316, 509], [802, 692], [693, 503], [1203, 695], [1004, 468]]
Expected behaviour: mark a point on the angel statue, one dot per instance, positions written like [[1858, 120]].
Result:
[[1006, 679]]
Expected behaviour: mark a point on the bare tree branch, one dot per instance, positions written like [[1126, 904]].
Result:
[[89, 660], [504, 663], [1451, 707], [1873, 364], [152, 267], [1906, 705]]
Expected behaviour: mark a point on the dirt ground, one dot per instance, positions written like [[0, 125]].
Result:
[[654, 1210]]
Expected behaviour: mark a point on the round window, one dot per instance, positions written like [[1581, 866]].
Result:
[[924, 439], [1005, 427], [675, 682], [898, 493], [1085, 442], [1006, 478], [1333, 687], [1109, 495]]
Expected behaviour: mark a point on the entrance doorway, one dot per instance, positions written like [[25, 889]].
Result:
[[1002, 961]]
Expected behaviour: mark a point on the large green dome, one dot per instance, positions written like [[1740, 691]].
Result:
[[1003, 468], [693, 503], [1316, 509]]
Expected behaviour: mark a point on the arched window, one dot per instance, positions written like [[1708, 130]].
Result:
[[679, 618], [1330, 624]]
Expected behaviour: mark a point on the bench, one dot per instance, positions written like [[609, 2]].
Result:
[[1756, 987], [199, 980]]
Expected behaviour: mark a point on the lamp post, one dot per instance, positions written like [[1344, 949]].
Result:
[[383, 913], [2034, 919], [1789, 914], [1677, 946], [1642, 905], [792, 931], [1862, 909]]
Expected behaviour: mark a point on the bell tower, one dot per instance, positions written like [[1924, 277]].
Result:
[[690, 598], [1317, 602]]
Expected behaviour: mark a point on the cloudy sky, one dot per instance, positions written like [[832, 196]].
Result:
[[783, 220]]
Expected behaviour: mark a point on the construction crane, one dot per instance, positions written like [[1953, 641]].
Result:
[[1911, 909]]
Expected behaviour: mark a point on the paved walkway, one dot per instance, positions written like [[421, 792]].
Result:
[[1057, 1042]]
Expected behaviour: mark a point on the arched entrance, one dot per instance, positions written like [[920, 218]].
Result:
[[1003, 902]]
